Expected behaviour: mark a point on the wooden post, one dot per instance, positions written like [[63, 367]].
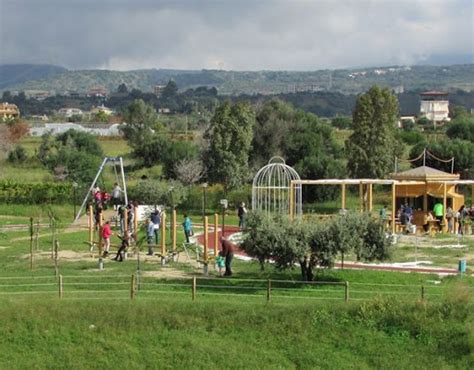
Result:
[[135, 224], [132, 287], [361, 196], [163, 235], [292, 196], [31, 243], [269, 289], [422, 292], [370, 197], [60, 286], [91, 226], [444, 206], [173, 231], [346, 292], [343, 196], [56, 257], [193, 289], [216, 235], [37, 235], [125, 223], [52, 224], [206, 239], [394, 205], [100, 234], [425, 199]]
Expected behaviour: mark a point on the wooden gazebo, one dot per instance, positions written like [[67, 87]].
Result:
[[419, 187]]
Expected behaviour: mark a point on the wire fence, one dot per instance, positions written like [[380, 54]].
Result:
[[137, 286]]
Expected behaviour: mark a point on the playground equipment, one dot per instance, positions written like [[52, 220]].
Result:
[[114, 161], [272, 190]]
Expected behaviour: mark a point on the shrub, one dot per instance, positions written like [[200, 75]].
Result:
[[17, 155]]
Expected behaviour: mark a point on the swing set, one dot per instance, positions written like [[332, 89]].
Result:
[[114, 161]]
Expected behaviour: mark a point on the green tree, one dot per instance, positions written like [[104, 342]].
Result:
[[72, 155], [274, 121], [122, 89], [372, 147], [314, 152], [342, 122], [141, 122], [461, 127], [170, 91], [101, 116], [229, 136]]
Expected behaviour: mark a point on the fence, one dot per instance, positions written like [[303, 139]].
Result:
[[138, 286]]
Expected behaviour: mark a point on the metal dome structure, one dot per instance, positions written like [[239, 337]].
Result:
[[271, 188]]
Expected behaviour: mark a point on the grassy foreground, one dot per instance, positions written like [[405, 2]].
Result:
[[172, 332]]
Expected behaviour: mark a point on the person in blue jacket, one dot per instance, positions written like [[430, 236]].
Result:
[[188, 227]]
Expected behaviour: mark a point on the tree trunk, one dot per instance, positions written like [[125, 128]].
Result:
[[306, 270]]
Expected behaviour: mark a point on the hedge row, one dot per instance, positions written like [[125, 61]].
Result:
[[62, 192], [35, 193]]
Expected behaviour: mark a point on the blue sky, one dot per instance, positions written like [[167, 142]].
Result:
[[238, 35]]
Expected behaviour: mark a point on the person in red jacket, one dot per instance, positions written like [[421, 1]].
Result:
[[106, 233], [228, 253]]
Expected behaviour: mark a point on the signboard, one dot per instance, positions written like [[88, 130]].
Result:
[[224, 203]]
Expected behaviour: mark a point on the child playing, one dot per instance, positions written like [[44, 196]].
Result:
[[220, 262], [106, 233]]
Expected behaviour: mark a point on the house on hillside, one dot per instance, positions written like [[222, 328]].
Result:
[[102, 108], [69, 112], [434, 105], [9, 111]]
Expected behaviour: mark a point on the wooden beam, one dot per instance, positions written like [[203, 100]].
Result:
[[206, 239], [173, 231], [216, 234], [163, 234], [292, 196], [343, 195], [394, 205], [370, 197], [444, 206]]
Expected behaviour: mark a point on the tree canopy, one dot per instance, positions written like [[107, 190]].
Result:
[[229, 138], [372, 147]]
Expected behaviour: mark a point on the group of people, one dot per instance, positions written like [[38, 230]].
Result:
[[153, 225], [405, 217]]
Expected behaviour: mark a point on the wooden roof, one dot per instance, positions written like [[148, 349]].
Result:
[[424, 173]]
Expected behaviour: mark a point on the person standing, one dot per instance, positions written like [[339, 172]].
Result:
[[241, 212], [228, 253], [116, 196], [123, 247], [150, 233], [156, 219], [439, 213], [450, 219], [188, 227], [106, 233]]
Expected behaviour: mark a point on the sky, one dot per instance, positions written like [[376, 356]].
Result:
[[236, 35]]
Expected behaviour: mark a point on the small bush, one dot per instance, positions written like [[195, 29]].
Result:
[[18, 155]]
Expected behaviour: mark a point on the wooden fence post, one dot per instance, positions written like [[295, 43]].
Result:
[[422, 292], [132, 287], [346, 291], [31, 243], [194, 288], [60, 286], [56, 257], [269, 289]]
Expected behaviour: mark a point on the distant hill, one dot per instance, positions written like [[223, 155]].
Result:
[[17, 74], [346, 81]]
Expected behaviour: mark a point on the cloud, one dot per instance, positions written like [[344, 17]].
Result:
[[243, 35]]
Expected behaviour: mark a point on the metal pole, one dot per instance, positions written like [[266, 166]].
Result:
[[269, 289], [123, 180], [90, 189], [346, 291], [31, 243]]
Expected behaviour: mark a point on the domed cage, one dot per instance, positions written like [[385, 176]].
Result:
[[271, 191]]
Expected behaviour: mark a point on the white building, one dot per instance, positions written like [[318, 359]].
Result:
[[434, 105], [69, 112]]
